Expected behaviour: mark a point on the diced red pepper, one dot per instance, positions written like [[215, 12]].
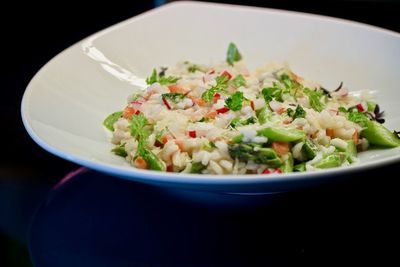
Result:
[[212, 72], [137, 112], [216, 97], [227, 74], [222, 110], [277, 170], [192, 134], [360, 107], [252, 105], [266, 171], [166, 103], [170, 168]]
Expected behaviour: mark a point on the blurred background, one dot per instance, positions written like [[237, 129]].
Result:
[[34, 33]]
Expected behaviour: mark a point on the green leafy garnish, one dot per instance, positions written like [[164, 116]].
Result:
[[233, 55], [141, 134], [120, 150], [235, 101], [221, 86], [238, 122], [197, 167], [299, 112], [271, 92], [163, 80], [137, 127], [358, 117], [111, 119], [174, 97], [287, 82], [314, 97], [239, 81]]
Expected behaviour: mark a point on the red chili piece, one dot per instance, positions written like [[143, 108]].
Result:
[[166, 103], [192, 134], [222, 110]]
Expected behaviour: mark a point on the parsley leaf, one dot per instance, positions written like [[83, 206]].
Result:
[[239, 81], [197, 167], [173, 97], [163, 80], [137, 126], [235, 101], [270, 92], [221, 86], [233, 54], [358, 117], [314, 98], [299, 112]]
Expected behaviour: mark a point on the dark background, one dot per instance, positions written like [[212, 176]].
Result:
[[32, 34]]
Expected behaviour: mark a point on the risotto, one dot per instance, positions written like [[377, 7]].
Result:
[[224, 119]]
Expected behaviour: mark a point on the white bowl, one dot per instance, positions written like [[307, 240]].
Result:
[[66, 102]]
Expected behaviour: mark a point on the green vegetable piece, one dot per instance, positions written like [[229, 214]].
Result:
[[263, 115], [299, 112], [168, 80], [256, 153], [235, 101], [163, 80], [120, 150], [331, 161], [281, 134], [111, 119], [309, 149], [237, 122], [358, 117], [285, 79], [238, 81], [371, 106], [137, 124], [153, 77], [174, 97], [301, 167], [233, 54], [351, 148], [197, 167], [152, 160], [314, 97], [287, 165], [221, 86], [379, 135], [238, 138], [270, 92]]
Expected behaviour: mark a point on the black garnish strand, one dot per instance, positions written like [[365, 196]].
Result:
[[162, 71], [328, 93], [397, 133], [379, 115], [340, 87]]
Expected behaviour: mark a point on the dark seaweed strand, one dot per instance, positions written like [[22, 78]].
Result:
[[328, 93], [162, 71]]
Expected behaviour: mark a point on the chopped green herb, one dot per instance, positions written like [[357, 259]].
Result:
[[235, 101], [197, 167], [174, 97], [358, 117], [238, 81], [314, 97], [111, 119], [233, 54], [238, 122], [221, 86], [299, 112], [268, 93], [137, 126], [163, 80], [287, 82], [120, 150]]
